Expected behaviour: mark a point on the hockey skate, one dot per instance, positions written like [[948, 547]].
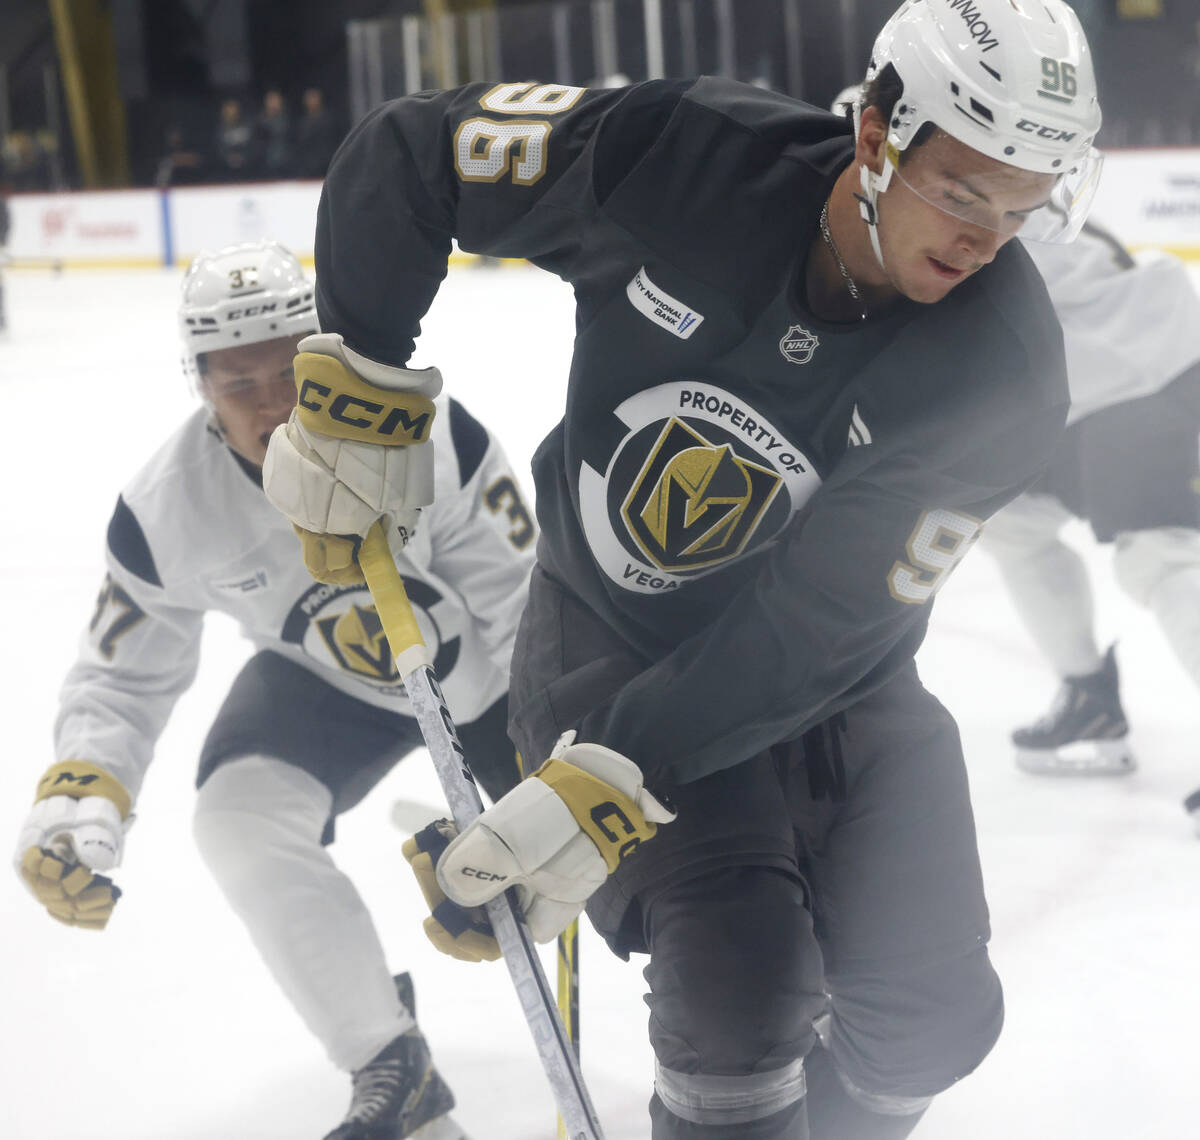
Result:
[[1084, 733], [399, 1095]]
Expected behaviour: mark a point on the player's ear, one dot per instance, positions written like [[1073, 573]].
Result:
[[872, 136]]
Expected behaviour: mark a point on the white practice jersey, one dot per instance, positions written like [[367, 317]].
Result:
[[1130, 325], [193, 532]]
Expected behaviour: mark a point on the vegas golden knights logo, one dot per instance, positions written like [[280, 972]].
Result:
[[338, 626], [358, 643], [695, 502]]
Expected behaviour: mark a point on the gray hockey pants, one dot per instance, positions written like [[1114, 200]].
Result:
[[878, 935]]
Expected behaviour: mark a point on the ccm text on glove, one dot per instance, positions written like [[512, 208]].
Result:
[[555, 837], [355, 449]]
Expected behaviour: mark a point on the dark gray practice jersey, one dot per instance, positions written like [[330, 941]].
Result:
[[760, 503]]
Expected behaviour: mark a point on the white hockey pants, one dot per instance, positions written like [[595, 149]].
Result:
[[258, 824], [1047, 581]]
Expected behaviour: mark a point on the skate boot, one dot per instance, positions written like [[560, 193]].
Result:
[[1084, 733], [398, 1094]]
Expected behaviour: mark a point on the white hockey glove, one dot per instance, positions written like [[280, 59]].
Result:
[[77, 827], [355, 449], [556, 837]]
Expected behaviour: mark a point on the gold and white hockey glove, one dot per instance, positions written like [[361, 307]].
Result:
[[76, 828], [556, 837], [355, 449], [462, 932]]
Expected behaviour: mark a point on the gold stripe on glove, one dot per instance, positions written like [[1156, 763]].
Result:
[[332, 400], [611, 820], [78, 779]]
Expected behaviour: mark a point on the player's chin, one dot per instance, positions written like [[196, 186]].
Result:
[[926, 293], [933, 281]]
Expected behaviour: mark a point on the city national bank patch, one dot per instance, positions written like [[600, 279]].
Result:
[[660, 307]]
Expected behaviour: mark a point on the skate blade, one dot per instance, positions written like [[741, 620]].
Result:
[[1081, 758], [443, 1128]]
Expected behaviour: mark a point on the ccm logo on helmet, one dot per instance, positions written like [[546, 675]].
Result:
[[1052, 133], [250, 311], [364, 415]]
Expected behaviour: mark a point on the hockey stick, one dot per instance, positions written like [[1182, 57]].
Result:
[[568, 996], [437, 727], [409, 816]]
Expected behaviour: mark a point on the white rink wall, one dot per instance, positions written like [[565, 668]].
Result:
[[142, 228], [1150, 197]]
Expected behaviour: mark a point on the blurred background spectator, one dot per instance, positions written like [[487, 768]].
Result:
[[317, 136], [275, 136], [236, 145], [29, 160], [180, 165]]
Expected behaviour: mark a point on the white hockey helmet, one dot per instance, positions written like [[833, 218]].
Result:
[[1011, 79], [243, 294]]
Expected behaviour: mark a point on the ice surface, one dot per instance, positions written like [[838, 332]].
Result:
[[166, 1027]]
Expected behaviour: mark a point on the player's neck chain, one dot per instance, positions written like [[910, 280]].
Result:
[[851, 287]]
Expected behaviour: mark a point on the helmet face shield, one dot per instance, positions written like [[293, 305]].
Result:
[[1004, 199], [1061, 219]]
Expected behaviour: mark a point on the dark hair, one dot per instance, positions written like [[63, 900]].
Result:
[[882, 93]]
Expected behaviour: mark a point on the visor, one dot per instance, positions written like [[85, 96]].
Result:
[[996, 201]]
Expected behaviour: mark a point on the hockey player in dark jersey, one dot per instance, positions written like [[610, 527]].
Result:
[[809, 362]]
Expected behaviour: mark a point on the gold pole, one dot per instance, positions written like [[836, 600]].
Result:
[[83, 35], [439, 13]]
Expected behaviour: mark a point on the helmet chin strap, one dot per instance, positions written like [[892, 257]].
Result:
[[868, 202], [872, 186]]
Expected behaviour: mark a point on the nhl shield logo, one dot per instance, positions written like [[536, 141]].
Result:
[[798, 345]]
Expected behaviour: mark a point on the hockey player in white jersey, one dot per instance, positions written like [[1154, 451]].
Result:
[[318, 714], [1128, 465]]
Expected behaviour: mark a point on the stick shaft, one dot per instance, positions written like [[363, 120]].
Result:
[[568, 996], [441, 738]]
